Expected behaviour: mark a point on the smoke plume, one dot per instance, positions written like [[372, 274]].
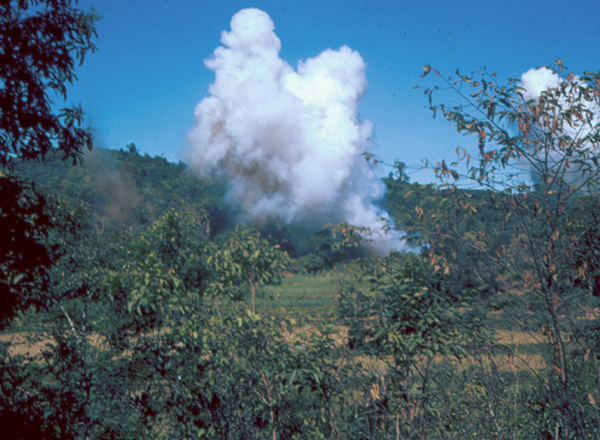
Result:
[[582, 146], [535, 81], [118, 191], [287, 141]]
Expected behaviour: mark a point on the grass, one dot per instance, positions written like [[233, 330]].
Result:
[[316, 296], [309, 298], [303, 295]]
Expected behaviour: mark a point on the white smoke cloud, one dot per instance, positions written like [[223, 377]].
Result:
[[288, 141], [533, 83]]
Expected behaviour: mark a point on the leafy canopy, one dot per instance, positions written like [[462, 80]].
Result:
[[40, 42], [246, 259], [537, 154]]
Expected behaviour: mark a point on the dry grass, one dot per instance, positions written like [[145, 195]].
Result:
[[33, 343], [28, 344], [518, 337]]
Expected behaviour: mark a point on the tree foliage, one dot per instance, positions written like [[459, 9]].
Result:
[[246, 259], [24, 256], [408, 320], [535, 156], [40, 44]]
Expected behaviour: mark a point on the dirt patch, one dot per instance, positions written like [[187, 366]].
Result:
[[31, 344], [28, 344]]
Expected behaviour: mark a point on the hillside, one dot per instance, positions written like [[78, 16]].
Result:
[[124, 188]]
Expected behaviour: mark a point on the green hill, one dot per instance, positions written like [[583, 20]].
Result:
[[127, 189]]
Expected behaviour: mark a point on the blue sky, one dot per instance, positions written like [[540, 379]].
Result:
[[148, 74]]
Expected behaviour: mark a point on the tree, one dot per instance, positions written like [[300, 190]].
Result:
[[433, 215], [193, 365], [39, 45], [246, 259], [409, 321], [24, 257], [40, 42], [535, 154]]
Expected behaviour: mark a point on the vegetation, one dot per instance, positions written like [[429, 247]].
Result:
[[39, 45], [245, 260], [557, 137], [132, 308]]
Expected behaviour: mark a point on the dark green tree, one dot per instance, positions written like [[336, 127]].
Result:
[[24, 257], [40, 44]]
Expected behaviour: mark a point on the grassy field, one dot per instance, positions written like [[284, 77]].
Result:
[[304, 295], [308, 299], [316, 296]]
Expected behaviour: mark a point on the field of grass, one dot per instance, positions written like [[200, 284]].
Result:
[[303, 295], [316, 296], [309, 299]]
